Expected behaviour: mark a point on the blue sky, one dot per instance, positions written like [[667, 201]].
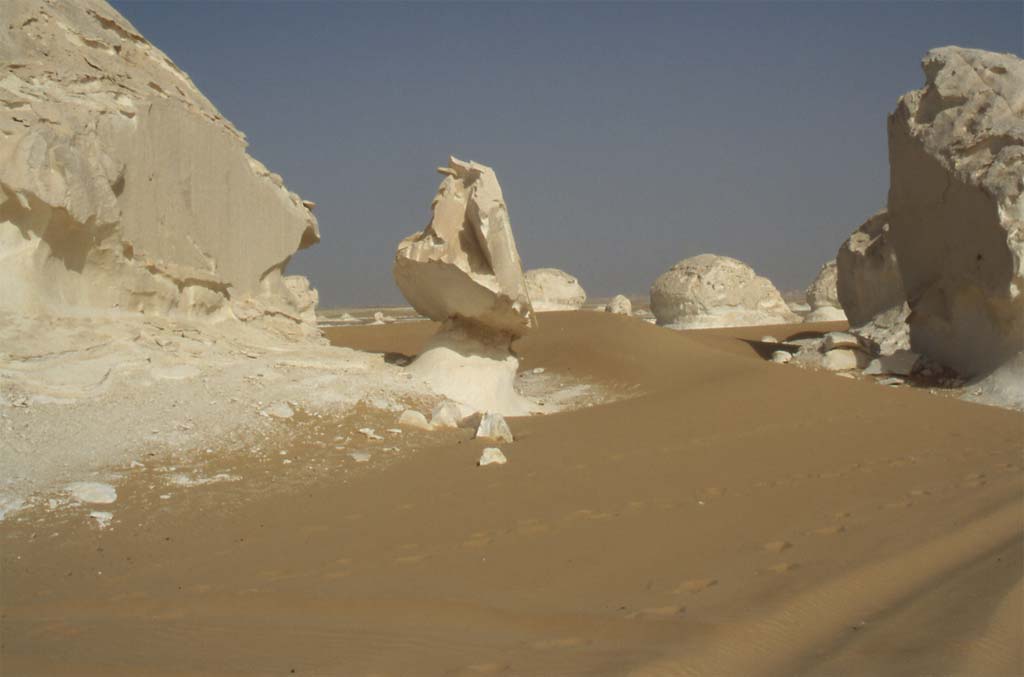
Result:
[[626, 136]]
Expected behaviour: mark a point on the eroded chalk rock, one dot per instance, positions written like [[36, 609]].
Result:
[[122, 188], [411, 418], [464, 271], [956, 211], [554, 289], [822, 297], [494, 427], [716, 291], [619, 305], [492, 456]]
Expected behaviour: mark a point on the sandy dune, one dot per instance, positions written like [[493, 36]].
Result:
[[733, 517]]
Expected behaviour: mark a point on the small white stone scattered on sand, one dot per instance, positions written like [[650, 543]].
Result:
[[446, 415], [891, 381], [394, 431], [92, 492], [493, 427], [769, 339], [102, 518], [492, 456], [538, 370], [279, 410], [370, 433], [782, 356], [360, 456], [411, 418]]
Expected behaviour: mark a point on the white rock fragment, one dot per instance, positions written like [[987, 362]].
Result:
[[279, 410], [494, 427], [891, 381], [102, 518], [370, 433], [411, 418], [92, 492], [492, 456], [769, 339], [394, 431], [538, 370], [360, 456], [842, 359], [782, 356], [446, 415], [900, 363]]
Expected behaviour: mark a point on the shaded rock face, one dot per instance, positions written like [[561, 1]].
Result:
[[716, 291], [822, 297], [122, 187], [465, 263], [868, 281], [554, 289], [956, 154]]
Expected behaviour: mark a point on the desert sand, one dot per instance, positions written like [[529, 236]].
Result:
[[727, 516]]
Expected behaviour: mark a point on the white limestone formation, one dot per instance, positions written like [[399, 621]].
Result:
[[619, 305], [494, 427], [716, 291], [956, 210], [553, 289], [122, 188], [464, 271], [822, 297]]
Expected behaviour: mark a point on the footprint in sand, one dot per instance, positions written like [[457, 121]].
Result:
[[777, 546], [531, 527], [919, 493], [657, 613], [560, 643], [713, 492], [897, 505], [695, 585], [830, 530]]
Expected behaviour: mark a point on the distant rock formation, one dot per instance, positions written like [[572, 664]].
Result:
[[464, 271], [554, 289], [956, 209], [619, 305], [822, 298], [716, 291], [122, 188]]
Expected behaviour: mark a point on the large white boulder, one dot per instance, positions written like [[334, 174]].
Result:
[[956, 211], [464, 271], [122, 188], [554, 289], [822, 297], [716, 291]]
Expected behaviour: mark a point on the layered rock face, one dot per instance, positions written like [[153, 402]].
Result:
[[464, 270], [716, 291], [956, 154], [554, 289], [822, 297], [123, 188]]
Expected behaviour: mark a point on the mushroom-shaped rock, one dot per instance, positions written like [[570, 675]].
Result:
[[122, 186], [463, 270], [554, 289], [716, 291], [619, 305], [822, 297], [956, 211]]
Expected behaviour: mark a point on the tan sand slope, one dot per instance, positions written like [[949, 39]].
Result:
[[737, 517]]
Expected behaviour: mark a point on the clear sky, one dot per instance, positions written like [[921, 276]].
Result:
[[626, 136]]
